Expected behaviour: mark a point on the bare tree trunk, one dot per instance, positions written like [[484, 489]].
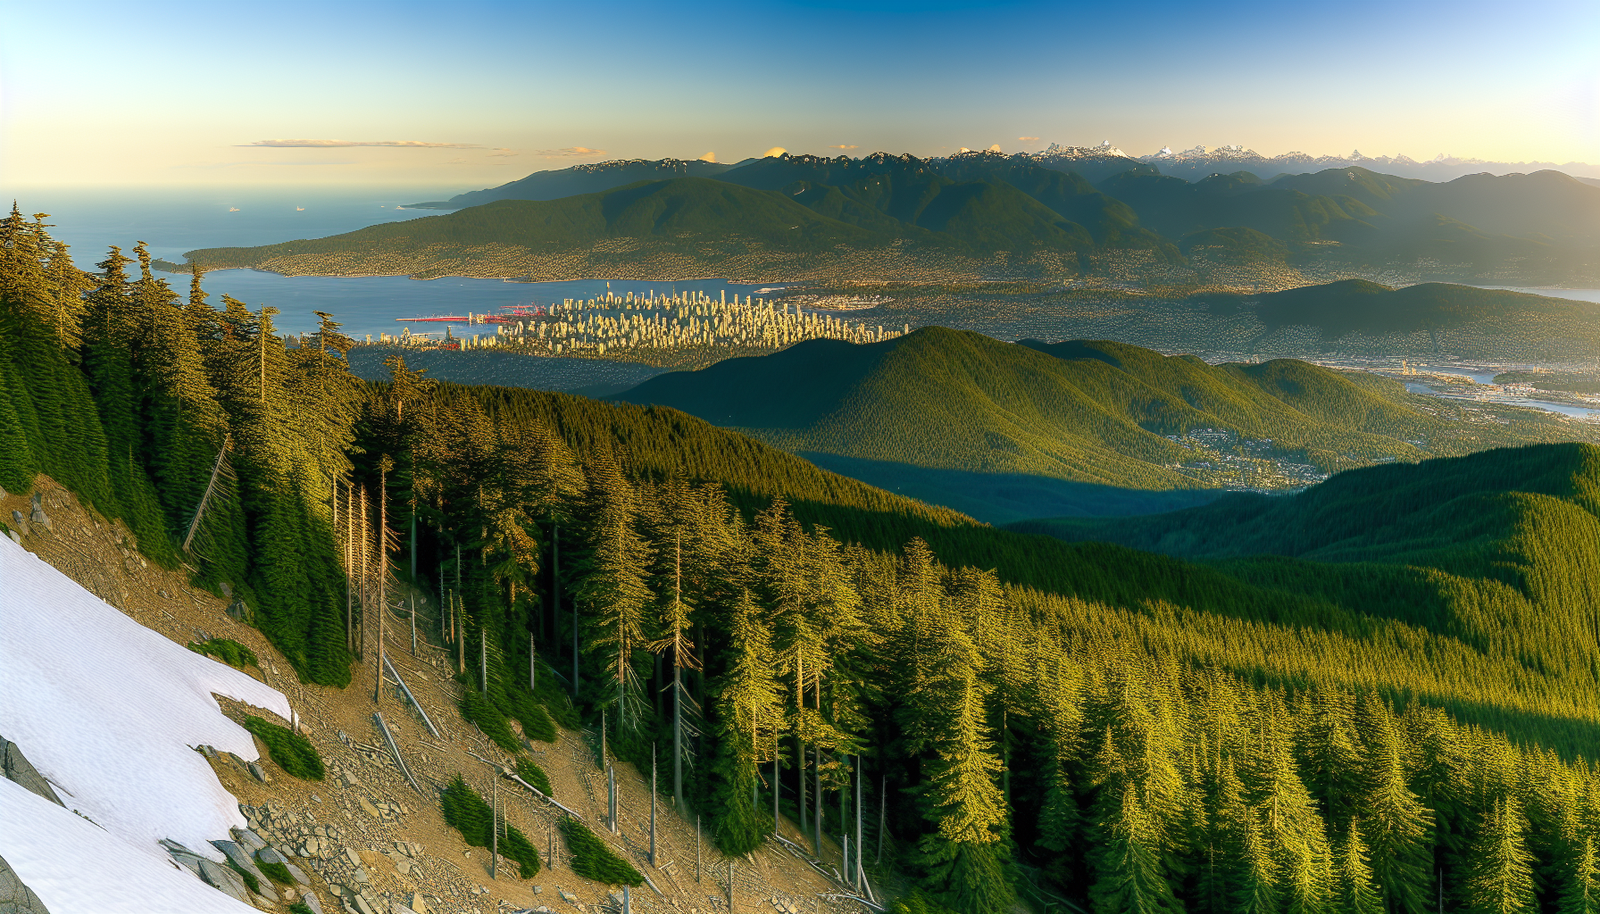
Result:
[[799, 742], [349, 571], [383, 574], [861, 845], [494, 831], [652, 804], [817, 772]]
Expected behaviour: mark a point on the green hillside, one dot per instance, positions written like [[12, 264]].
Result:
[[676, 213], [1095, 412], [581, 179], [1009, 716], [1358, 306], [1500, 549], [902, 217]]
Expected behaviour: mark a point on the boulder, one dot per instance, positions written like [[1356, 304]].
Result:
[[240, 858], [309, 899], [224, 879], [257, 772], [298, 874], [18, 523], [16, 898], [18, 768], [250, 841], [38, 516]]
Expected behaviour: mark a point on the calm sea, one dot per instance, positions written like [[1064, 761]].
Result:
[[173, 222]]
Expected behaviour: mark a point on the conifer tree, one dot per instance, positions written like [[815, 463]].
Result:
[[1500, 874], [748, 714], [1131, 878], [616, 593], [1354, 891], [1580, 885], [1396, 823]]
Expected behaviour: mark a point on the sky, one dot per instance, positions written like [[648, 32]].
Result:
[[470, 94]]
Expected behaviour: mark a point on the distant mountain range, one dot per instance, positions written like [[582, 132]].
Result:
[[581, 179], [1092, 162], [1086, 411], [972, 215]]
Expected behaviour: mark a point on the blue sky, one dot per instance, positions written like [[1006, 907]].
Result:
[[180, 93]]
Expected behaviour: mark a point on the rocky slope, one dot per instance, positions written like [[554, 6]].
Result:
[[364, 839]]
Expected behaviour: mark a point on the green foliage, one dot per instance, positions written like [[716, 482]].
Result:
[[593, 859], [249, 878], [918, 902], [227, 650], [291, 751], [1092, 412], [1350, 306], [535, 720], [490, 719], [300, 907], [529, 771], [277, 872], [466, 812]]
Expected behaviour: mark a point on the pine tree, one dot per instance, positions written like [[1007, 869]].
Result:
[[1396, 823], [1354, 892], [616, 593], [1130, 876], [963, 801], [1580, 886], [748, 715], [1500, 876]]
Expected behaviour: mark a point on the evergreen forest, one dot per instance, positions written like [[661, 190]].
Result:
[[1386, 698]]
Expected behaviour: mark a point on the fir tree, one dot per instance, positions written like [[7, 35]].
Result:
[[1500, 876]]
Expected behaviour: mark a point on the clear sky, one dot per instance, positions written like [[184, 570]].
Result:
[[211, 93]]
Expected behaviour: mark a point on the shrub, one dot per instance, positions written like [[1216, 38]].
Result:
[[529, 771], [227, 650], [536, 722], [300, 907], [277, 872], [918, 903], [481, 711], [250, 879], [467, 813], [293, 752], [593, 858]]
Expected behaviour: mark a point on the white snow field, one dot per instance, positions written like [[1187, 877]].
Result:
[[76, 868], [108, 711]]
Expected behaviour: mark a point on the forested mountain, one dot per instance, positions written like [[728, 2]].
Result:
[[581, 179], [1096, 412], [950, 216], [1082, 725], [1357, 306]]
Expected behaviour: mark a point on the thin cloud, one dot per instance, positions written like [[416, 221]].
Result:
[[845, 146], [1028, 139], [501, 153], [570, 152], [774, 151], [387, 144], [709, 157]]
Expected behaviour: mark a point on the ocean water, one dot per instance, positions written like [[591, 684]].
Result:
[[1591, 295], [175, 221]]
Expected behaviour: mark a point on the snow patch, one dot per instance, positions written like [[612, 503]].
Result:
[[108, 710], [76, 868]]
